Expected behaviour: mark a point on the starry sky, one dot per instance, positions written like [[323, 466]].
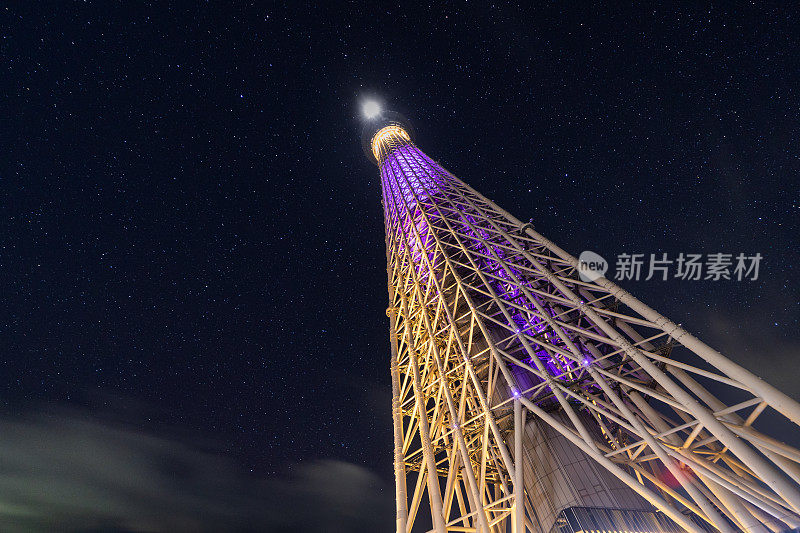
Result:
[[192, 254]]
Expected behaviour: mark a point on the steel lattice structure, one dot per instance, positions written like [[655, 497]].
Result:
[[546, 403]]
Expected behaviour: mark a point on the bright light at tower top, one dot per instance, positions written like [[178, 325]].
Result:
[[371, 109], [384, 132]]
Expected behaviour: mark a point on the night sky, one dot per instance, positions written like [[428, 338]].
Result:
[[192, 254]]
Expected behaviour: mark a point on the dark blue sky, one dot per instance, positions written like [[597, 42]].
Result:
[[192, 239]]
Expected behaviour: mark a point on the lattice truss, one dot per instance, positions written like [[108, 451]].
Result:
[[491, 327]]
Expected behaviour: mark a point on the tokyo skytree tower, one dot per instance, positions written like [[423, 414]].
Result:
[[526, 399]]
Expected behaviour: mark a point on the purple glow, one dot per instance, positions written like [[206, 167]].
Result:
[[421, 205]]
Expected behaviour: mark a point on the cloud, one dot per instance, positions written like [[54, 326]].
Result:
[[66, 471], [751, 341]]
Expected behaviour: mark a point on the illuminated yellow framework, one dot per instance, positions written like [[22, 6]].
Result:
[[388, 138], [504, 362]]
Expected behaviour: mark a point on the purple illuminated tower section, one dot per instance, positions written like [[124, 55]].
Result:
[[530, 394]]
